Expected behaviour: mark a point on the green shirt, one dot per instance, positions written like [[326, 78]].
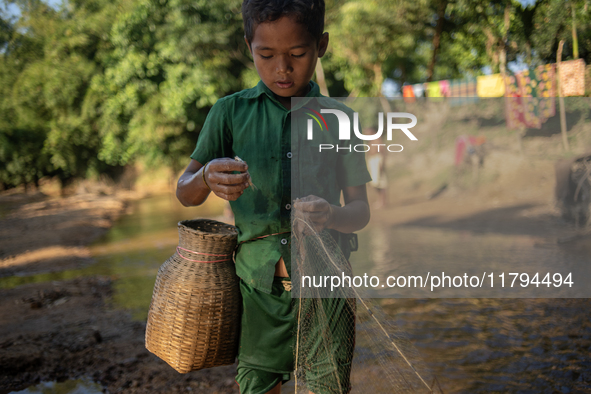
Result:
[[254, 126]]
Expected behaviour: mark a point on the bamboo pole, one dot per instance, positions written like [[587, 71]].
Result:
[[561, 100], [575, 39]]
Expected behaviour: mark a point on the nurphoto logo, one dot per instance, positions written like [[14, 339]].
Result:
[[345, 129]]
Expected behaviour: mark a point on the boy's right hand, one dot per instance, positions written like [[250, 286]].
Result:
[[221, 179]]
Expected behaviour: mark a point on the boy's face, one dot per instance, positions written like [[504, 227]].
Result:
[[285, 56]]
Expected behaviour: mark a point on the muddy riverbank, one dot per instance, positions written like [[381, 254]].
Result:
[[67, 329], [73, 327]]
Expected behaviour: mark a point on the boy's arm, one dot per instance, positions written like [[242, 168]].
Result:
[[355, 214], [347, 219], [194, 185]]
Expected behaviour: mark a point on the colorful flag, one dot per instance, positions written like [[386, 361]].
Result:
[[408, 94], [514, 116], [444, 88], [528, 85], [490, 85], [462, 91], [572, 77], [433, 89], [546, 92], [530, 97], [419, 89]]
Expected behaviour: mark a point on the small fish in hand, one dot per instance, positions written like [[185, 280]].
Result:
[[249, 179]]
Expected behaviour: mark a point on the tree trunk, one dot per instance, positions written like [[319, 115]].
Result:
[[565, 144], [575, 39], [528, 51], [379, 80], [503, 43], [491, 48], [437, 37], [403, 76]]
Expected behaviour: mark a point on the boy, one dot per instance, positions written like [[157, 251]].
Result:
[[285, 39]]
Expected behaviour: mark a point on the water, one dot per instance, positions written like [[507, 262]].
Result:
[[139, 243], [133, 250], [483, 345], [78, 386], [392, 251], [471, 345]]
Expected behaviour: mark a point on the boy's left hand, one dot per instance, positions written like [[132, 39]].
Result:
[[317, 214], [314, 210]]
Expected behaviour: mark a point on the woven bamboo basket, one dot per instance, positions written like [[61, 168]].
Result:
[[194, 316]]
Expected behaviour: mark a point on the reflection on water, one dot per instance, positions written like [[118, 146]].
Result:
[[483, 345], [386, 250], [79, 386], [133, 250], [501, 345], [471, 345]]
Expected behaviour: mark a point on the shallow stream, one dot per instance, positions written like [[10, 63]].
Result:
[[470, 345]]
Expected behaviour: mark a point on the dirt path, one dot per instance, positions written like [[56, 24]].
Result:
[[65, 330]]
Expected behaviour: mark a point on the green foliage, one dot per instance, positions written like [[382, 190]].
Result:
[[50, 58], [366, 36], [553, 22], [171, 61], [98, 84]]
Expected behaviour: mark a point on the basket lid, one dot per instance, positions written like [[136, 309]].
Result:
[[209, 226], [207, 235]]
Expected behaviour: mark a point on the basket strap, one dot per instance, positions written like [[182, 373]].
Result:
[[178, 250]]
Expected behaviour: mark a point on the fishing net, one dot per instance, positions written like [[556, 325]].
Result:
[[344, 341]]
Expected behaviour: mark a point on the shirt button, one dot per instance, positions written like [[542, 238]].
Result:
[[289, 155], [284, 241], [288, 206]]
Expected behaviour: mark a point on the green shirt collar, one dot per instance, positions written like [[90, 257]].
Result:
[[261, 88]]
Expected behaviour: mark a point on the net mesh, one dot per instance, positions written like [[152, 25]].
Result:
[[344, 341]]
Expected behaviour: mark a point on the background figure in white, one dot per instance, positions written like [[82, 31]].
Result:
[[376, 164]]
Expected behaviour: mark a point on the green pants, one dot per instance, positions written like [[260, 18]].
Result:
[[268, 341]]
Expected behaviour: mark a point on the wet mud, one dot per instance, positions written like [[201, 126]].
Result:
[[67, 329]]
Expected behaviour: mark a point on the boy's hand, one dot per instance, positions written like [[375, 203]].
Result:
[[315, 211], [222, 181], [317, 214]]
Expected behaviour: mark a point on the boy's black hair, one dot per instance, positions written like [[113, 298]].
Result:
[[309, 13]]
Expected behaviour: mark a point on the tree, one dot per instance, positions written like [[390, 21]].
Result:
[[371, 38], [171, 61], [553, 21], [496, 26], [441, 6], [49, 60]]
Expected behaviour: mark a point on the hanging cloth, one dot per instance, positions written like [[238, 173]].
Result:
[[490, 85], [572, 77], [408, 94]]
